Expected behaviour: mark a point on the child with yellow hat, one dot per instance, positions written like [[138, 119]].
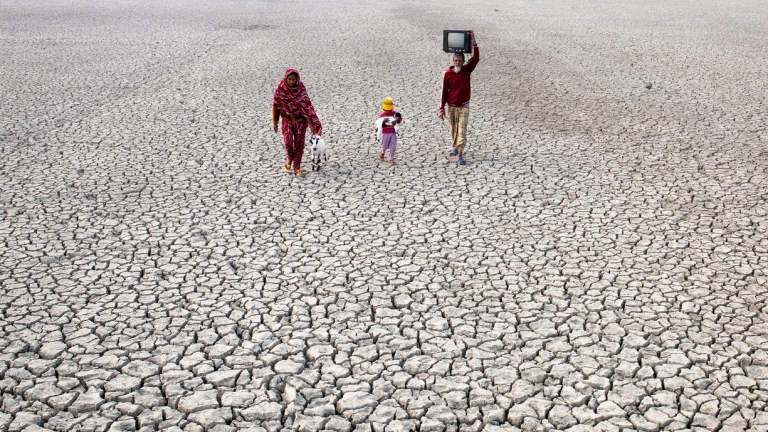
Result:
[[386, 129]]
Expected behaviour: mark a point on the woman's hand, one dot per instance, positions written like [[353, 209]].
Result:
[[274, 126]]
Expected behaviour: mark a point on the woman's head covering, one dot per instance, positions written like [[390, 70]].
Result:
[[388, 104], [295, 101]]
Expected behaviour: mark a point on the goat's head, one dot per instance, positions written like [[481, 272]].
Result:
[[318, 144]]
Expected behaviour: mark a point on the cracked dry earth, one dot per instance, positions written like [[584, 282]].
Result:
[[600, 263]]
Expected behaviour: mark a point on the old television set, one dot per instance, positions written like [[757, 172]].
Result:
[[457, 41]]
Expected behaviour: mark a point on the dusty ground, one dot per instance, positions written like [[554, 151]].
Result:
[[601, 262]]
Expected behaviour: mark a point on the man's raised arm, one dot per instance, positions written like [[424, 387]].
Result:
[[476, 53]]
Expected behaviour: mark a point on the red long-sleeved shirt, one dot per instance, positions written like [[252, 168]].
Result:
[[457, 86]]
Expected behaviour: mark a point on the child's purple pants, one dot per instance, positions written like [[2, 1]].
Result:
[[389, 141]]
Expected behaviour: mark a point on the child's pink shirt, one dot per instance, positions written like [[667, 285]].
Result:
[[389, 129]]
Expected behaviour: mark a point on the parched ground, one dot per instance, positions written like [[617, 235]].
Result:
[[600, 264]]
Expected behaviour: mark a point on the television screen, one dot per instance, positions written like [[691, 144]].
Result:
[[457, 41]]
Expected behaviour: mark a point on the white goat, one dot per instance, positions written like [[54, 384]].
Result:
[[318, 151]]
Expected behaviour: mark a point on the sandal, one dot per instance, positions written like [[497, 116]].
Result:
[[454, 152], [391, 163], [461, 161], [287, 167], [381, 156], [299, 172]]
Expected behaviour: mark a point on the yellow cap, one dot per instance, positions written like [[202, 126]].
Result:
[[388, 104]]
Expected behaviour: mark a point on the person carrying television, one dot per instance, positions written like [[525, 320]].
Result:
[[456, 93]]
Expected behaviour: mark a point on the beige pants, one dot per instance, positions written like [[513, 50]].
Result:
[[458, 117]]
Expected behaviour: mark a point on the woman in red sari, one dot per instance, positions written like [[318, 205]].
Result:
[[291, 102]]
